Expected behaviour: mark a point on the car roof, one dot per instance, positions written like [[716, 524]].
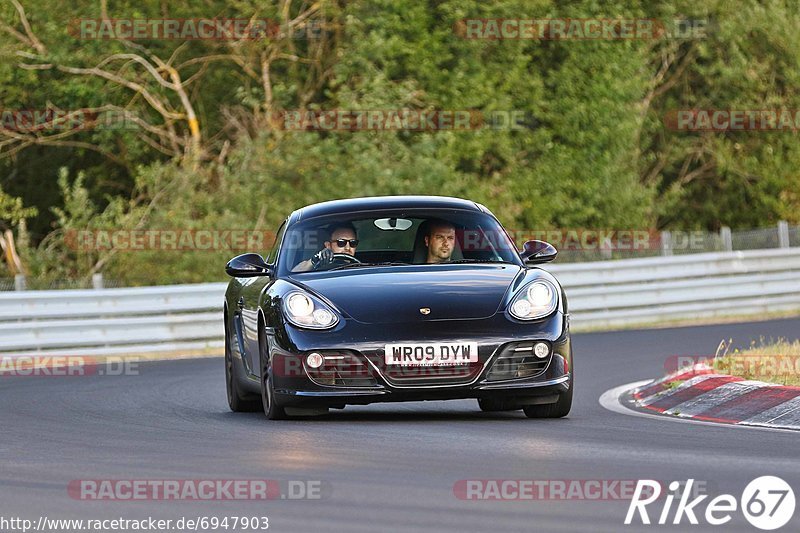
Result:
[[370, 203]]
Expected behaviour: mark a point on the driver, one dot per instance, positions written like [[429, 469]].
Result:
[[343, 240]]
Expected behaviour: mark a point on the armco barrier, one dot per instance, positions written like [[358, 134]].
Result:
[[656, 289], [601, 295], [109, 321]]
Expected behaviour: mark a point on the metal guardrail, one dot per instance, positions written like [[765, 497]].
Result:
[[112, 321], [574, 245], [603, 294], [640, 291]]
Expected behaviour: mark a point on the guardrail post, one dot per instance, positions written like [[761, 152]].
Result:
[[97, 281], [783, 234], [727, 238], [666, 243], [20, 283]]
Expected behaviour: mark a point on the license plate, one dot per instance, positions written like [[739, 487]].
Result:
[[432, 354]]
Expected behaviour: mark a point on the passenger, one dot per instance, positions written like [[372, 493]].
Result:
[[440, 241]]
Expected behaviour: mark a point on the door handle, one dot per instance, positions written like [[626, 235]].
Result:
[[240, 303]]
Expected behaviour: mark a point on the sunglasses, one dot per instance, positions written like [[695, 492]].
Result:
[[341, 243]]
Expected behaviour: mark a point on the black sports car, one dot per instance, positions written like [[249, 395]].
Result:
[[397, 298]]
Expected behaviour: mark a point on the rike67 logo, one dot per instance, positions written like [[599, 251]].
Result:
[[767, 503]]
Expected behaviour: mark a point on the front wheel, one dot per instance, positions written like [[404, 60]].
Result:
[[238, 401], [552, 410], [272, 408]]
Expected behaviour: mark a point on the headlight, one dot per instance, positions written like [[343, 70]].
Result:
[[536, 300], [305, 311]]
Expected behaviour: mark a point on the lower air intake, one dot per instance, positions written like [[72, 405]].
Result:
[[515, 361], [342, 370]]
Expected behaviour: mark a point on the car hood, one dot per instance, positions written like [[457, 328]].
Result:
[[397, 294]]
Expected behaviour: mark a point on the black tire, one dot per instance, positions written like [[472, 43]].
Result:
[[238, 401], [272, 408], [558, 409]]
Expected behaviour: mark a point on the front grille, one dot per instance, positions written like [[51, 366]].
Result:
[[515, 361], [342, 370], [423, 375], [431, 375]]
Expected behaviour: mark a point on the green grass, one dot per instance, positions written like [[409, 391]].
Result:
[[773, 362], [673, 384]]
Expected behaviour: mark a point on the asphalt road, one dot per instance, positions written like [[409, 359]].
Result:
[[382, 467]]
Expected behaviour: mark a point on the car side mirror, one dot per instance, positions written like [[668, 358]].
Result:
[[535, 252], [248, 266]]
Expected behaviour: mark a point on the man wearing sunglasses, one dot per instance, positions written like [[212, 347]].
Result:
[[343, 240]]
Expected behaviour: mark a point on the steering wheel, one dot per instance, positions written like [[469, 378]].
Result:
[[344, 259]]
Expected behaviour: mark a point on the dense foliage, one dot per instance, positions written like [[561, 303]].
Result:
[[187, 133]]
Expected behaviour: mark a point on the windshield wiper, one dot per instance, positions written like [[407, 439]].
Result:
[[355, 265]]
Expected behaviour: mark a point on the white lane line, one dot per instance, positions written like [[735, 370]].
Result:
[[611, 400]]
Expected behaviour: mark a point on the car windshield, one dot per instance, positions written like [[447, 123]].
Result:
[[380, 238]]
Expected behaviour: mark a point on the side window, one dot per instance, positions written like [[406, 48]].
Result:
[[273, 254]]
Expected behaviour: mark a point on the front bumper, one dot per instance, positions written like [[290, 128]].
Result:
[[295, 386]]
